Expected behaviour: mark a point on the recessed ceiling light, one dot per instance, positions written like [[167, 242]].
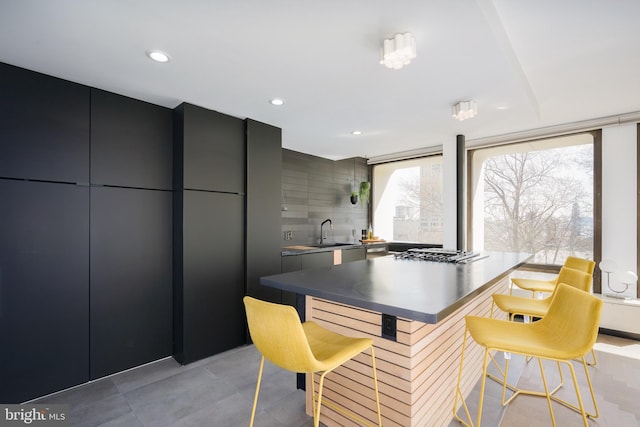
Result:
[[502, 107], [276, 101], [356, 132], [158, 56]]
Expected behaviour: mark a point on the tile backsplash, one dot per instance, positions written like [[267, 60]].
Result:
[[314, 189]]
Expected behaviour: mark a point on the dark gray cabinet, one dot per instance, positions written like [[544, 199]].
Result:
[[44, 288], [131, 232], [264, 172], [208, 232], [44, 125], [209, 274], [354, 254], [318, 259], [303, 262], [131, 142], [131, 278], [209, 150]]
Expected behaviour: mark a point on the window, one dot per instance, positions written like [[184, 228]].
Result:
[[407, 200], [535, 197]]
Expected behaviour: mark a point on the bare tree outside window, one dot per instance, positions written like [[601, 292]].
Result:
[[540, 202]]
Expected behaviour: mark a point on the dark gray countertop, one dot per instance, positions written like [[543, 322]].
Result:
[[418, 290]]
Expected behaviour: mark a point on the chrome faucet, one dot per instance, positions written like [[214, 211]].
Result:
[[322, 237]]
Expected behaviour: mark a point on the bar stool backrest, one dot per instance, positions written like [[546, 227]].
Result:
[[573, 320], [581, 264], [277, 333], [576, 278]]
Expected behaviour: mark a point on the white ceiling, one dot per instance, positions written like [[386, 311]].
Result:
[[547, 62]]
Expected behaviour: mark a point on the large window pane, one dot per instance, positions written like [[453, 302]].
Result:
[[407, 200], [536, 197]]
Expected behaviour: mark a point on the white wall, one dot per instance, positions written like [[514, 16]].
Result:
[[619, 213], [449, 189]]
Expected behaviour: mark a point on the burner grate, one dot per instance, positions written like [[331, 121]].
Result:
[[436, 255]]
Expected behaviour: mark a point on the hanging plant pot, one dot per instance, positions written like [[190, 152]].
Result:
[[354, 198], [365, 191]]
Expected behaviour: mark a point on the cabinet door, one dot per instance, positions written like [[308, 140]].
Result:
[[131, 278], [316, 259], [291, 263], [44, 288], [131, 142], [212, 282], [44, 123], [212, 150], [264, 215], [354, 254]]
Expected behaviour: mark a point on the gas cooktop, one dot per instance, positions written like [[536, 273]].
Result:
[[437, 255]]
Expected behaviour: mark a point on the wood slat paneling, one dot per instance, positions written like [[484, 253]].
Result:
[[416, 377]]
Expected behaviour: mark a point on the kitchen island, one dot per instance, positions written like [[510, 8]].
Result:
[[414, 311]]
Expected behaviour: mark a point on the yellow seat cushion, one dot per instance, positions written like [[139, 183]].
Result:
[[518, 305], [535, 285], [331, 349], [567, 331], [521, 338]]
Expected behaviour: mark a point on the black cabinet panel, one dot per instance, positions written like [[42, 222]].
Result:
[[131, 278], [209, 277], [291, 263], [211, 149], [131, 142], [44, 127], [44, 288], [264, 239]]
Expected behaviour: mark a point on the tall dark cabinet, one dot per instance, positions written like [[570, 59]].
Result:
[[44, 234], [123, 231], [131, 233], [208, 230], [264, 176]]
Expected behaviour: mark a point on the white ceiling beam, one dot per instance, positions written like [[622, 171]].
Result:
[[492, 17]]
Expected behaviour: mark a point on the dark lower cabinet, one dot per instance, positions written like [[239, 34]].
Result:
[[44, 288], [354, 254], [208, 274], [131, 278]]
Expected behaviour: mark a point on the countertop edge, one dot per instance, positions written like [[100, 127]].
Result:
[[406, 313]]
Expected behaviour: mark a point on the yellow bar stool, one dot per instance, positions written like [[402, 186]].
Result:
[[514, 305], [567, 332], [535, 285], [306, 347]]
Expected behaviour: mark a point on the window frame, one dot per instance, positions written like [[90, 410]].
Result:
[[373, 192], [597, 202]]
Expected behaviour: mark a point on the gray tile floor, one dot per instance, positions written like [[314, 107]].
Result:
[[218, 391]]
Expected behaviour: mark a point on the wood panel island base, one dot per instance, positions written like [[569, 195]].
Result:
[[417, 372]]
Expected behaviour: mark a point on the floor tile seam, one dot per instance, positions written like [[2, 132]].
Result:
[[169, 377], [131, 411]]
